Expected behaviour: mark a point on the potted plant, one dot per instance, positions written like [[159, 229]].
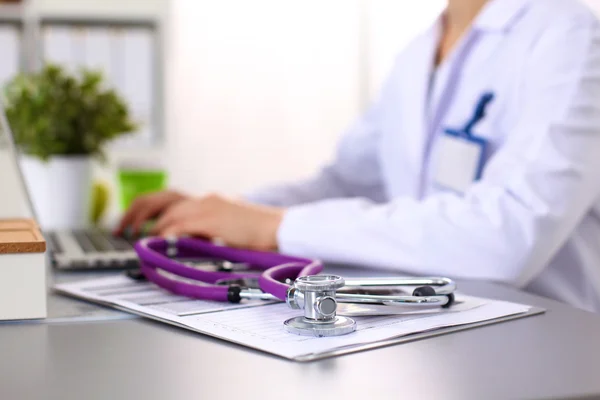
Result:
[[61, 122]]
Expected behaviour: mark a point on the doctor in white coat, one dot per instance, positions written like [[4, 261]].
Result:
[[480, 160]]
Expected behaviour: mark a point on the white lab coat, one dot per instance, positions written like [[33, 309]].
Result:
[[532, 220]]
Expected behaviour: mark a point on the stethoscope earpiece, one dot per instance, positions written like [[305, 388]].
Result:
[[450, 300], [424, 291]]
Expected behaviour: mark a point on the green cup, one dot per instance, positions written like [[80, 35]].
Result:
[[136, 179]]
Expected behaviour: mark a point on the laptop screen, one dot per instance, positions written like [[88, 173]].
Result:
[[14, 201]]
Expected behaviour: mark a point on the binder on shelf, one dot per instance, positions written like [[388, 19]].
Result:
[[125, 54], [10, 43]]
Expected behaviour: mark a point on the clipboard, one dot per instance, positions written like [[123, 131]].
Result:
[[256, 325]]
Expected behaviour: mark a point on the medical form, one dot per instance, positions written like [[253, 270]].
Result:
[[259, 324]]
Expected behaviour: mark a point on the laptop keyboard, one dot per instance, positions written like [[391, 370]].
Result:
[[121, 244], [91, 249], [94, 241], [54, 243]]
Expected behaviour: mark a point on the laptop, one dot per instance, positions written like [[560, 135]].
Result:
[[72, 249]]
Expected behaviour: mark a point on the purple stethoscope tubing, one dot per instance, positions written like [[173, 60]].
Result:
[[154, 255]]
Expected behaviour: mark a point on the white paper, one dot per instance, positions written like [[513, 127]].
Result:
[[125, 292], [260, 325]]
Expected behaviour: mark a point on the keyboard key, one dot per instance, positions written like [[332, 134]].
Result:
[[100, 241], [133, 263], [118, 243], [132, 241], [84, 242]]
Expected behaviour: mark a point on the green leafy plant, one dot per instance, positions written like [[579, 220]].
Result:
[[56, 113]]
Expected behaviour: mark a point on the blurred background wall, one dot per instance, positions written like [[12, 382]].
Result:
[[248, 92], [260, 91]]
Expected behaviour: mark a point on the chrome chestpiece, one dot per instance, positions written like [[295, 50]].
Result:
[[317, 296]]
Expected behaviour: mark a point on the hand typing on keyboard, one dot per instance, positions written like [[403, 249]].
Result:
[[236, 223], [145, 208]]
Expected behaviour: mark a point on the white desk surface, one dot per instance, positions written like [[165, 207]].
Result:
[[553, 355]]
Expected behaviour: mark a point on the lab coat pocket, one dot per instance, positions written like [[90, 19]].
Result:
[[459, 161]]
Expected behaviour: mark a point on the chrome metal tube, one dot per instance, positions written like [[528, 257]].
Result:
[[257, 294], [442, 285], [392, 300]]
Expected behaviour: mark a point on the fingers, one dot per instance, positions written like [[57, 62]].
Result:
[[189, 227], [140, 211], [193, 216], [129, 216], [146, 212], [167, 219], [181, 211], [146, 207]]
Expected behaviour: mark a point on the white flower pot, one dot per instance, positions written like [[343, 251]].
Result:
[[60, 190]]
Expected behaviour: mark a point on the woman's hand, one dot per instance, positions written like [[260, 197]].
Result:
[[145, 207], [237, 223]]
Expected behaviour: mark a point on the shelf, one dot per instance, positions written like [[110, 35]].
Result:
[[97, 19], [17, 13], [101, 10], [13, 12], [33, 16]]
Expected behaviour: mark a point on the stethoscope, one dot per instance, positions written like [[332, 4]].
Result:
[[251, 275]]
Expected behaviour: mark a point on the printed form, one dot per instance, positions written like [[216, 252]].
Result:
[[259, 324]]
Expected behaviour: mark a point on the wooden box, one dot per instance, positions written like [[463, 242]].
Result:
[[22, 270]]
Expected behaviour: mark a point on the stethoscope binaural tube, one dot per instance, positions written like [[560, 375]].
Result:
[[438, 291], [155, 253], [276, 273]]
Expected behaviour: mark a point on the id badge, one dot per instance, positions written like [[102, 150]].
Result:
[[460, 159]]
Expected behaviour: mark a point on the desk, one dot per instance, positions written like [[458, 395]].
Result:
[[554, 355]]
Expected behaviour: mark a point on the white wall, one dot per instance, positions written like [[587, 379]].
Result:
[[260, 90], [390, 26], [594, 5]]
